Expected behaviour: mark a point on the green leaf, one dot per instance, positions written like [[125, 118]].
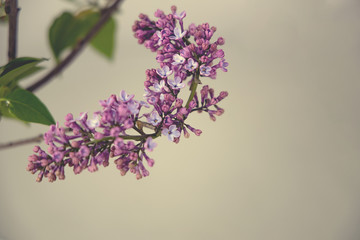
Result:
[[67, 29], [61, 33], [18, 62], [27, 107], [104, 39], [4, 91], [18, 68], [4, 110], [29, 72]]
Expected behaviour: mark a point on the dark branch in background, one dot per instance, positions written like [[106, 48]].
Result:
[[11, 9], [105, 16], [36, 139]]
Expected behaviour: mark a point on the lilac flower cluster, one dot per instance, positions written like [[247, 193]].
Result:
[[117, 131], [174, 50]]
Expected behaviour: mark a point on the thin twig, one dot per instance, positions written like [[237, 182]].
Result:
[[39, 138], [106, 14], [11, 8], [36, 139]]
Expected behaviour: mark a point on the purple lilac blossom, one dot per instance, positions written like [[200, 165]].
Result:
[[191, 65], [85, 143], [176, 83], [171, 132]]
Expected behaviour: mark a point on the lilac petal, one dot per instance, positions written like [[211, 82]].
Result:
[[125, 97]]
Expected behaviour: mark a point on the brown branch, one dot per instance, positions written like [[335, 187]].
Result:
[[106, 14], [36, 139], [11, 9], [39, 138]]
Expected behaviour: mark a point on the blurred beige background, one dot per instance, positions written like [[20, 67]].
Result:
[[282, 163]]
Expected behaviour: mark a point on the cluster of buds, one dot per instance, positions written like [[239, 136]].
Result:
[[118, 130]]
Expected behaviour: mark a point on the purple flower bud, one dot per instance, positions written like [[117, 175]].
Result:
[[192, 104], [128, 123], [165, 108], [178, 102], [192, 29], [36, 149], [119, 143], [220, 53], [115, 131], [75, 144], [204, 59], [58, 156], [220, 41], [159, 14], [98, 136], [168, 121], [123, 110], [185, 52], [84, 151], [186, 133]]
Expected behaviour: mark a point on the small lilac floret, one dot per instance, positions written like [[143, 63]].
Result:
[[154, 118], [152, 100], [181, 16], [178, 59], [58, 156], [205, 70], [94, 122], [176, 83], [164, 72], [84, 151], [133, 107], [124, 97], [171, 132], [191, 65], [178, 34], [150, 144], [223, 65], [158, 87], [83, 116]]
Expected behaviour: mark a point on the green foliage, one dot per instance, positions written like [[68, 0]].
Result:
[[18, 69], [18, 103], [104, 40], [25, 106], [64, 34], [68, 29]]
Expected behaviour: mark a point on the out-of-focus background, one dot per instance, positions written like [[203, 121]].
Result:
[[282, 163]]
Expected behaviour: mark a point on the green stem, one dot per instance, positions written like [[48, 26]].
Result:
[[193, 87]]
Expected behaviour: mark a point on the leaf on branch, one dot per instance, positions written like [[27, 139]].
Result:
[[67, 29], [25, 106], [17, 69], [104, 40]]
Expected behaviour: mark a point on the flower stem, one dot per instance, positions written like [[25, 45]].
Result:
[[193, 87]]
